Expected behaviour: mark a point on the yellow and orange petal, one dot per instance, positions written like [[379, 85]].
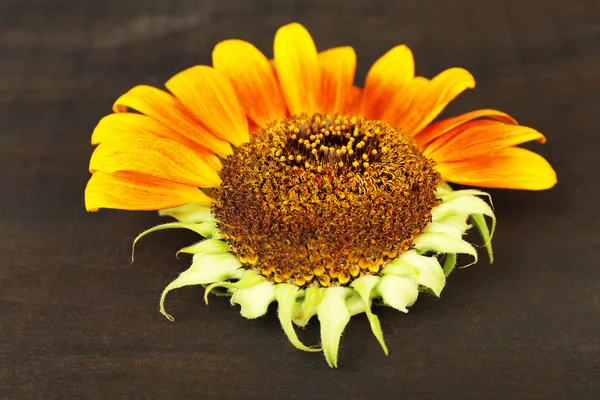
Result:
[[168, 110], [441, 127], [509, 168], [154, 157], [478, 138], [211, 99], [298, 70], [338, 66], [210, 109], [127, 126], [253, 80], [391, 74], [128, 191], [433, 97]]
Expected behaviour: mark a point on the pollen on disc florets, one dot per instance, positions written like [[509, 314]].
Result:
[[319, 200]]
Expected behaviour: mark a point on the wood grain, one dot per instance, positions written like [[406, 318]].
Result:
[[78, 323]]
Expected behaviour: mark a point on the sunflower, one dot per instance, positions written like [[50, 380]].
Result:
[[307, 190]]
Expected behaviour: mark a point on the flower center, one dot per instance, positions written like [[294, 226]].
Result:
[[321, 200]]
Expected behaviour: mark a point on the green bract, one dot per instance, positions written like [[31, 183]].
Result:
[[397, 285]]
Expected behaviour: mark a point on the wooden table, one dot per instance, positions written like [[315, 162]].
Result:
[[78, 323]]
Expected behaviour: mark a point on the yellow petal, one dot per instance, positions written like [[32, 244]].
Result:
[[387, 77], [160, 158], [253, 79], [168, 110], [511, 168], [211, 99], [127, 191], [478, 138], [297, 66], [338, 66], [129, 125], [352, 106]]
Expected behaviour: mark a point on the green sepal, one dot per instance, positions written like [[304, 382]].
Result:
[[459, 203], [254, 300], [452, 194], [286, 295], [212, 245], [209, 268], [449, 263], [460, 222], [481, 225], [430, 271], [443, 243], [398, 292], [443, 188], [355, 304], [205, 269], [189, 213], [224, 284], [399, 268], [364, 286], [203, 229], [333, 316], [451, 229], [305, 310]]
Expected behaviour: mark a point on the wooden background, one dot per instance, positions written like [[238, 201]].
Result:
[[78, 323]]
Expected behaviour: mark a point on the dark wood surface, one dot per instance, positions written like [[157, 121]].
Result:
[[78, 323]]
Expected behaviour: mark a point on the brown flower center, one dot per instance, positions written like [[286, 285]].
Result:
[[323, 199]]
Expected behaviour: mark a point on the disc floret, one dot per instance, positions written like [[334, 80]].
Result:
[[321, 200]]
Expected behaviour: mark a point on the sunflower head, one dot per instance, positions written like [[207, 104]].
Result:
[[306, 189]]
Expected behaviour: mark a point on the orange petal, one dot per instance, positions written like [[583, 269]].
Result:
[[477, 138], [127, 191], [338, 66], [210, 97], [253, 128], [168, 110], [386, 78], [396, 108], [127, 126], [511, 168], [434, 97], [253, 79], [354, 98], [297, 66], [440, 128], [160, 158]]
